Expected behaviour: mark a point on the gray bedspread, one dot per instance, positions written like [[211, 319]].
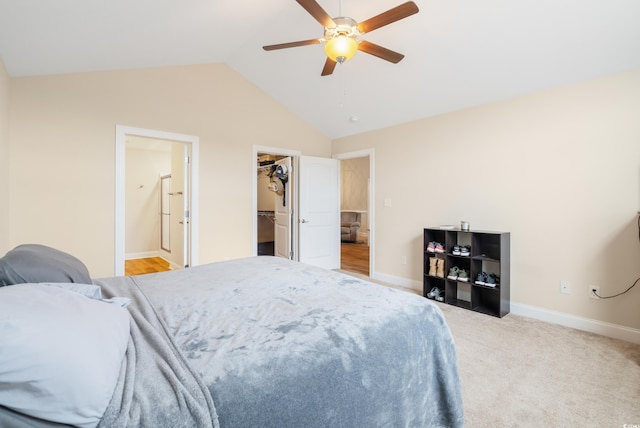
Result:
[[283, 344], [156, 386]]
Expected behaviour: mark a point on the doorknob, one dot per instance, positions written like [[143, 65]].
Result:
[[305, 221]]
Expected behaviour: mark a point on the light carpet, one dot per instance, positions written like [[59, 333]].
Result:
[[521, 372]]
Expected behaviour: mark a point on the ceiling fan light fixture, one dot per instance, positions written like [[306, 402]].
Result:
[[342, 34], [341, 48], [341, 41]]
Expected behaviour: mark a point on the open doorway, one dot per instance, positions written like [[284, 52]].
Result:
[[356, 212], [155, 197], [275, 201], [313, 210], [156, 201]]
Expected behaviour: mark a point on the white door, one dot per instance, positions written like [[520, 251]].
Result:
[[283, 211], [319, 212], [181, 203], [186, 223]]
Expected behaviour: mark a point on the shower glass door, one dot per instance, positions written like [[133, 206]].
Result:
[[165, 212]]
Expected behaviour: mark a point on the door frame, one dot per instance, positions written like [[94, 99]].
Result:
[[120, 169], [294, 155], [372, 193]]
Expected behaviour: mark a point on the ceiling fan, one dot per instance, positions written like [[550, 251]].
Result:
[[342, 34]]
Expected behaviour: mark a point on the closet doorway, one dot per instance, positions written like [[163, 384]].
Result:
[[312, 210], [275, 201], [356, 212]]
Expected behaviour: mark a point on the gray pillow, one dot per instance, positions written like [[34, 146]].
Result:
[[32, 263], [61, 353]]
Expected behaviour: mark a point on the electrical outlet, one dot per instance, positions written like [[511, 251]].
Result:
[[565, 287], [404, 260], [595, 288]]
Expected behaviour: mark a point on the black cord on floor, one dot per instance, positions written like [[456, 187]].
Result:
[[632, 285]]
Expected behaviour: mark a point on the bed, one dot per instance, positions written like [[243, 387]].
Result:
[[255, 342]]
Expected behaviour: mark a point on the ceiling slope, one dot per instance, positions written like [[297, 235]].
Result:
[[457, 54]]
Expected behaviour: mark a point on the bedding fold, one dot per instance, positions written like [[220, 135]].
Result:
[[156, 387]]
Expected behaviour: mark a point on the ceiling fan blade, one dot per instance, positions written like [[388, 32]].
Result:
[[380, 52], [292, 44], [317, 12], [329, 66], [385, 18]]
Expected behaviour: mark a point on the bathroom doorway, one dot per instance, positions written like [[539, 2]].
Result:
[[177, 155]]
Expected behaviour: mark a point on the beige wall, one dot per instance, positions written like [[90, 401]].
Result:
[[266, 198], [266, 202], [4, 160], [559, 169], [63, 152], [142, 200]]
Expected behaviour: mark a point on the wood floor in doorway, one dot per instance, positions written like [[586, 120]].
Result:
[[354, 258], [146, 265]]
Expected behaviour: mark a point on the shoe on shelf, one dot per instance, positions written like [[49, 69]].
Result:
[[439, 248], [463, 275], [440, 268], [440, 297], [465, 250], [453, 273], [492, 280], [435, 291], [433, 265], [456, 250], [431, 247], [481, 279]]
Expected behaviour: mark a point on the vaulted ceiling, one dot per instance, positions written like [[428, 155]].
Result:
[[458, 53]]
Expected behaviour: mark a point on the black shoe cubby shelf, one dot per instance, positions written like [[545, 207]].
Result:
[[489, 253]]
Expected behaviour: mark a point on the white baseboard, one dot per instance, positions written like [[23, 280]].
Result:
[[143, 255], [399, 281], [173, 266], [586, 324], [148, 254]]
